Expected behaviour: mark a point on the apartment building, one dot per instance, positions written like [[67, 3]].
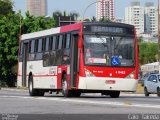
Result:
[[145, 18], [37, 7], [105, 9]]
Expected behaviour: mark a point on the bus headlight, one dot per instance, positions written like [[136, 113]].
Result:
[[131, 75], [88, 73]]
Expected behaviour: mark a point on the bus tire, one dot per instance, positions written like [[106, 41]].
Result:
[[32, 90], [114, 94], [158, 92], [146, 93]]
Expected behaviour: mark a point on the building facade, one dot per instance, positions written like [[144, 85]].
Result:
[[37, 7], [105, 9], [134, 15], [151, 18], [144, 18]]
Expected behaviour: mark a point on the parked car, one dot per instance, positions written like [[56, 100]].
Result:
[[145, 76], [152, 85]]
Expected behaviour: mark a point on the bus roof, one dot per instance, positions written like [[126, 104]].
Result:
[[70, 28], [109, 24], [40, 33], [51, 31]]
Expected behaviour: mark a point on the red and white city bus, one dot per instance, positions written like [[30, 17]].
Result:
[[85, 57]]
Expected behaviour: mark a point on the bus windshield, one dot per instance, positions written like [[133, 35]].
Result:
[[109, 50]]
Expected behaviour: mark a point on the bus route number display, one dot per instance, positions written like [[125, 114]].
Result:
[[107, 29]]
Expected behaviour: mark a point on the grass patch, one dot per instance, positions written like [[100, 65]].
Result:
[[140, 89]]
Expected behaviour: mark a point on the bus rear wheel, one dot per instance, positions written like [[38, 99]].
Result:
[[32, 90], [114, 94]]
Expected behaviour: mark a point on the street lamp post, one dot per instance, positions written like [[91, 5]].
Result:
[[88, 7]]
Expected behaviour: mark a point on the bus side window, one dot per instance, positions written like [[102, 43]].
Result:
[[46, 59], [43, 44], [30, 42], [60, 44], [39, 49], [64, 41], [47, 44], [31, 50], [50, 42], [40, 45], [32, 46], [68, 39], [57, 42], [36, 46], [46, 53], [66, 51], [52, 57], [54, 43]]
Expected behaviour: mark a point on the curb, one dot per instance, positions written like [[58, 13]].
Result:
[[14, 89]]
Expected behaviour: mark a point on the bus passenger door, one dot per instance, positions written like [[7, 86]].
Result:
[[74, 59], [24, 63]]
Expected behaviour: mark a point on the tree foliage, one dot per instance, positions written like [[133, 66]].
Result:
[[74, 14], [148, 52], [12, 25], [32, 24], [57, 13], [104, 20], [9, 34], [6, 7], [64, 13]]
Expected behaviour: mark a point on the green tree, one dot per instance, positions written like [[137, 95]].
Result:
[[57, 13], [148, 52], [75, 15], [65, 13], [93, 19], [9, 38], [87, 20], [104, 20], [6, 7], [33, 24]]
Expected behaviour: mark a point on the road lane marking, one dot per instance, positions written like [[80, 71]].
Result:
[[75, 100]]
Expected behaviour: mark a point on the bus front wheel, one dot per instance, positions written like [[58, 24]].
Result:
[[32, 90]]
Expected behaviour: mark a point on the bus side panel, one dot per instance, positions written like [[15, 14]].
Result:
[[44, 77]]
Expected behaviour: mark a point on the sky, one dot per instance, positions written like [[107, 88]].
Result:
[[79, 6]]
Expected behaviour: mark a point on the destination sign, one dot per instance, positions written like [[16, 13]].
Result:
[[107, 29]]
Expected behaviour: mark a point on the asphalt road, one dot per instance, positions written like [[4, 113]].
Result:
[[19, 102]]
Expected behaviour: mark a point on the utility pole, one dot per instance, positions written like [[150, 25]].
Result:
[[158, 38]]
